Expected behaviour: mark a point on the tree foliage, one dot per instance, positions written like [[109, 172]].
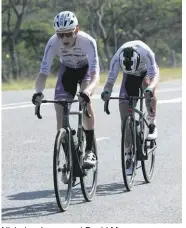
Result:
[[28, 24]]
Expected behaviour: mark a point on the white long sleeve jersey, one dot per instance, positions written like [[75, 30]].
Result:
[[82, 53], [147, 61]]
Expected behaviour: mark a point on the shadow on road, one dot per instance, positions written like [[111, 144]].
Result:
[[110, 189], [32, 195], [34, 210], [49, 208], [39, 209]]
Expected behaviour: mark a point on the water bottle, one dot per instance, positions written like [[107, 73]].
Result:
[[75, 138]]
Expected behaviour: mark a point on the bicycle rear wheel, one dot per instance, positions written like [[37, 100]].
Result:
[[128, 158], [62, 170], [148, 148], [89, 178], [148, 165]]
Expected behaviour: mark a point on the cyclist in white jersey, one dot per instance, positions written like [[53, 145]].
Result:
[[79, 63], [139, 67]]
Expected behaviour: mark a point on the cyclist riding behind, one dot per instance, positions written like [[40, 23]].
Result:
[[79, 63], [139, 67]]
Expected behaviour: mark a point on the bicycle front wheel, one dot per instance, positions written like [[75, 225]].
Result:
[[128, 152], [89, 178], [62, 170]]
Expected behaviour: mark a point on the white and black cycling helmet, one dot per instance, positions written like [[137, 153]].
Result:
[[129, 60], [65, 21]]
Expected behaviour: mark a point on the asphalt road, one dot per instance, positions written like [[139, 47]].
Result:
[[27, 153]]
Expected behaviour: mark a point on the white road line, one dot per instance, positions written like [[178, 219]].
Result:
[[12, 104], [102, 138], [168, 90], [176, 100], [27, 104], [165, 90], [29, 141], [35, 141], [21, 106], [96, 96]]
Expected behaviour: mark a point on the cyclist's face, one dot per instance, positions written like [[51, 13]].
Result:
[[67, 38]]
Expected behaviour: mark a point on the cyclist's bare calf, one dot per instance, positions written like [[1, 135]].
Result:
[[59, 116], [151, 104], [88, 123]]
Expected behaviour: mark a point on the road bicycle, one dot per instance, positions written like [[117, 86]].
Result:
[[134, 132], [69, 150]]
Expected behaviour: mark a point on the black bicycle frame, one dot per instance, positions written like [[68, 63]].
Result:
[[131, 100], [132, 110], [66, 125]]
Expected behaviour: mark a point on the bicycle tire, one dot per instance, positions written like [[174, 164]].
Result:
[[62, 136], [90, 193], [148, 173], [129, 182]]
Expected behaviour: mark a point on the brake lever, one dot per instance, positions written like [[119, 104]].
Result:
[[106, 107], [37, 111]]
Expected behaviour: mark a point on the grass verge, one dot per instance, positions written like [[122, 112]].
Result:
[[166, 74]]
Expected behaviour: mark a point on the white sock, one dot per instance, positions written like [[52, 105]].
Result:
[[151, 120]]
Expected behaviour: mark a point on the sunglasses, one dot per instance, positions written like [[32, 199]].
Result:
[[67, 34]]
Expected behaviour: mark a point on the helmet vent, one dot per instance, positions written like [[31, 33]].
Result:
[[71, 22]]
